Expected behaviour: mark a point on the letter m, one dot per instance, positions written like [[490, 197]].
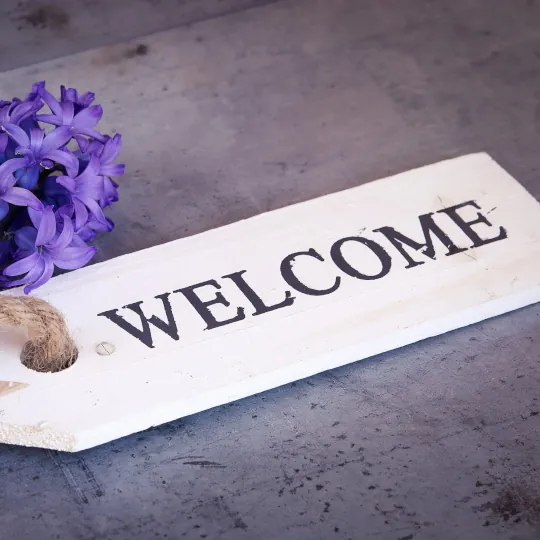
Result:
[[429, 227]]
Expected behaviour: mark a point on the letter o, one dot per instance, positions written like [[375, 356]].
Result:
[[342, 264]]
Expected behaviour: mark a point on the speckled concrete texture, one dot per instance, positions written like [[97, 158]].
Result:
[[243, 106]]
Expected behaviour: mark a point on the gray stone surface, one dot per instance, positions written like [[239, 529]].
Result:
[[254, 110]]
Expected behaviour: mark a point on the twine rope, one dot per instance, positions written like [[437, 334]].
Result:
[[49, 347]]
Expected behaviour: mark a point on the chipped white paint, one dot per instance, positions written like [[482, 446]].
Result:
[[104, 397]]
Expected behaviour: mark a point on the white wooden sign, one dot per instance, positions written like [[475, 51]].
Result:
[[216, 317]]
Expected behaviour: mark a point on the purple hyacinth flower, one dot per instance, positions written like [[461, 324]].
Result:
[[38, 150], [14, 195], [93, 226], [18, 111], [80, 102], [3, 146], [86, 190], [45, 247], [64, 114], [54, 194], [106, 154]]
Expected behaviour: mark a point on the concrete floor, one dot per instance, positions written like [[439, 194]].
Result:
[[240, 106]]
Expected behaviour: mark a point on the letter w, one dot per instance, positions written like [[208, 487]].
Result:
[[145, 335]]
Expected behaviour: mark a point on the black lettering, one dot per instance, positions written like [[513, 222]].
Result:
[[291, 279], [145, 335], [342, 264], [254, 298], [398, 239], [466, 226], [201, 306]]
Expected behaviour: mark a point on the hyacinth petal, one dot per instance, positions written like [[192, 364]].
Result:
[[34, 273], [83, 143], [23, 266], [117, 169], [4, 139], [68, 110], [111, 149], [48, 270], [25, 238], [92, 187], [67, 182], [18, 134], [47, 227], [81, 214], [7, 169], [86, 99], [51, 101], [65, 158], [36, 139], [90, 132], [4, 209], [24, 110], [88, 118], [95, 209], [72, 258], [55, 139], [28, 177], [22, 197], [49, 119], [65, 237]]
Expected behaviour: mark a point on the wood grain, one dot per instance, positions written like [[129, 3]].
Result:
[[238, 310]]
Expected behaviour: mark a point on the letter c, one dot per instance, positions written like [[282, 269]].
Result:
[[295, 283]]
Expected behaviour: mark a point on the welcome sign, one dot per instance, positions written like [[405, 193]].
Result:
[[216, 317]]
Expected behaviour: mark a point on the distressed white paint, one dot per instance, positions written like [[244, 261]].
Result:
[[107, 396]]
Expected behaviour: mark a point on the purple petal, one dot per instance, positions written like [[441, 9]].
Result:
[[96, 210], [47, 163], [111, 149], [91, 187], [90, 132], [25, 238], [65, 237], [7, 169], [86, 99], [48, 270], [36, 271], [113, 170], [4, 209], [68, 94], [66, 158], [23, 266], [47, 227], [49, 119], [67, 182], [88, 117], [4, 139], [51, 101], [28, 177], [87, 234], [18, 134], [35, 216], [81, 214], [24, 110], [72, 258], [36, 138], [55, 139], [110, 193], [66, 210], [22, 197], [68, 109], [83, 143]]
